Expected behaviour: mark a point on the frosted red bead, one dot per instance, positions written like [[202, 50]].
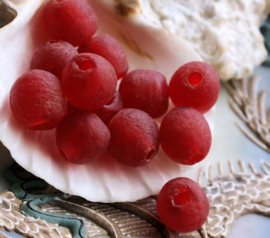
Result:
[[53, 57], [134, 137], [146, 90], [73, 21], [37, 101], [185, 135], [82, 137], [109, 48], [196, 85], [89, 81], [182, 205]]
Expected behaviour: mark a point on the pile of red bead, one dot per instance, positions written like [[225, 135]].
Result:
[[74, 90]]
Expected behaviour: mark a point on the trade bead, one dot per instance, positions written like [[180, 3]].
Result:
[[185, 135], [134, 137], [182, 205], [53, 57], [73, 21], [146, 90], [109, 48], [82, 137], [37, 101], [196, 85], [89, 81]]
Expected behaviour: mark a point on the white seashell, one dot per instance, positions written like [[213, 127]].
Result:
[[103, 180], [224, 33]]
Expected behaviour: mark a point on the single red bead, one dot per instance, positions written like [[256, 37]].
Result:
[[182, 205], [53, 57], [185, 135], [134, 137], [196, 85], [82, 137], [73, 21], [89, 81], [146, 90], [37, 101], [109, 48]]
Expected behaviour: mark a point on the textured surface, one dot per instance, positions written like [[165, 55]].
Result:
[[230, 196], [252, 108], [12, 220]]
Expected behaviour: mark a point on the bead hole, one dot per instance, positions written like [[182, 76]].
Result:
[[181, 196], [84, 65], [194, 78]]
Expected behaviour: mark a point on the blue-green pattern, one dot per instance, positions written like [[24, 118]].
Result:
[[21, 182]]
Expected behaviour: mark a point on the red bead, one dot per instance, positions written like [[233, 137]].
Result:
[[185, 135], [73, 21], [196, 85], [134, 137], [146, 90], [53, 57], [82, 137], [182, 205], [89, 81], [109, 48], [37, 101]]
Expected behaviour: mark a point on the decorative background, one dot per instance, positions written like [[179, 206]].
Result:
[[235, 177]]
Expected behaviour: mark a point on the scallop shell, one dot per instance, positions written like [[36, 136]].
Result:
[[103, 180]]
